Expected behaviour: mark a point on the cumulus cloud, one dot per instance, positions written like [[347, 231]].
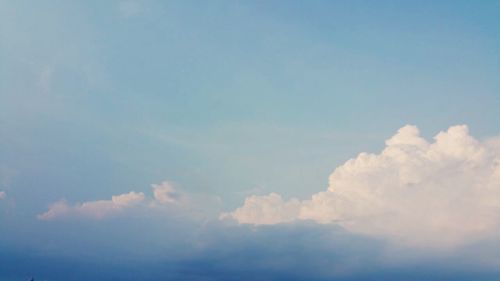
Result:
[[164, 195], [94, 209], [268, 209], [445, 192], [2, 195]]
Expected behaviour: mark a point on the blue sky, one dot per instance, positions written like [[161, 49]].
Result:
[[218, 102]]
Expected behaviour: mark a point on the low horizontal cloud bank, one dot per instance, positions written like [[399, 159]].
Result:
[[164, 193], [219, 251], [215, 252], [94, 209], [440, 193]]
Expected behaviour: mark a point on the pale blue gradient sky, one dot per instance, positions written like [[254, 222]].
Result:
[[227, 98]]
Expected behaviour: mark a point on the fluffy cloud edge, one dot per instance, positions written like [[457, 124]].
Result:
[[445, 192], [267, 210], [94, 209], [163, 194]]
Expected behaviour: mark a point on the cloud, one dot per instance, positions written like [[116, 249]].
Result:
[[220, 251], [443, 193], [3, 194], [268, 209], [211, 252], [164, 195], [94, 209]]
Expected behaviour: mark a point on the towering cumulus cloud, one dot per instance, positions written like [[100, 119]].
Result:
[[445, 193]]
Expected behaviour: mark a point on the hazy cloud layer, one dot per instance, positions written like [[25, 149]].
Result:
[[2, 195], [136, 249], [442, 193]]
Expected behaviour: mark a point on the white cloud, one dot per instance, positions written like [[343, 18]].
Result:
[[3, 194], [268, 209], [197, 206], [165, 198], [440, 193], [94, 209], [165, 193]]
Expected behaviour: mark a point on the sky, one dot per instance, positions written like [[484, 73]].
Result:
[[249, 140]]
